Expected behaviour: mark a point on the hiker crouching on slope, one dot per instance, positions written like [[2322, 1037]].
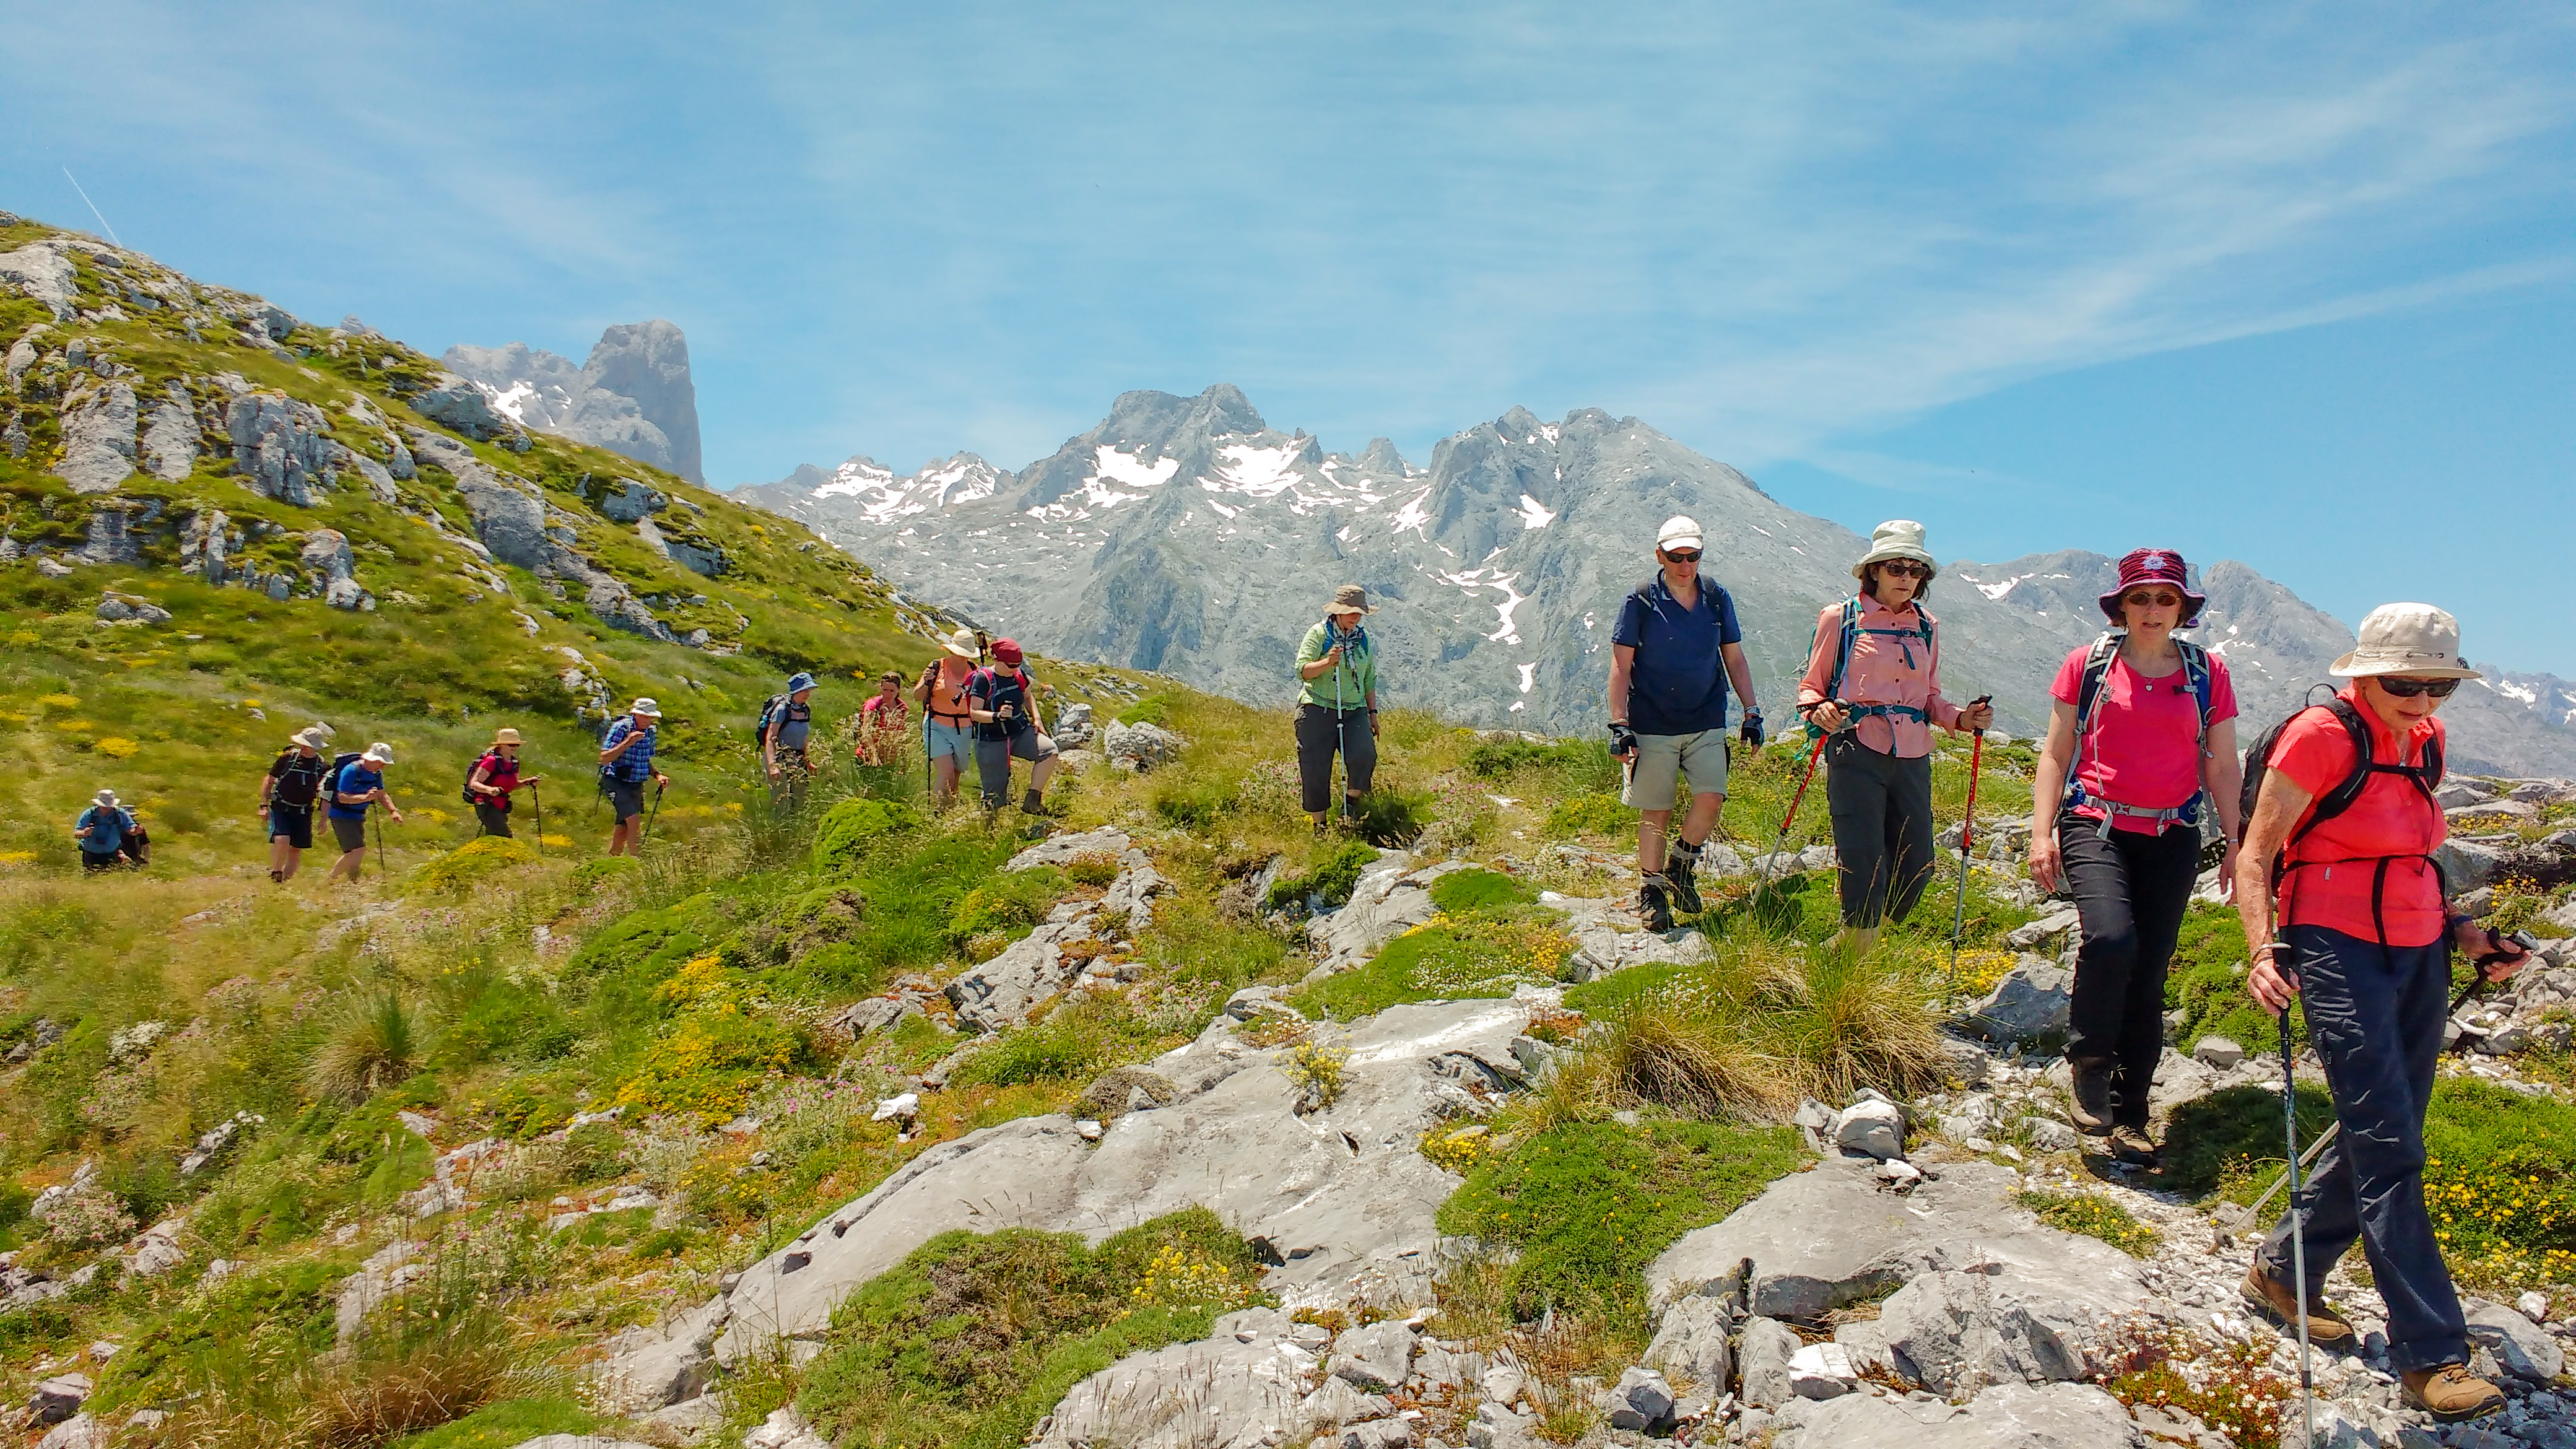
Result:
[[359, 784], [1877, 669], [2141, 741], [784, 731], [1337, 706], [107, 833], [489, 784], [2364, 933], [287, 795], [625, 763], [1001, 700], [1675, 648], [946, 742]]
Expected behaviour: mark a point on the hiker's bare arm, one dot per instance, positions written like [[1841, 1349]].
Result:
[[2279, 808], [2047, 792], [2223, 776], [1740, 670], [1623, 663]]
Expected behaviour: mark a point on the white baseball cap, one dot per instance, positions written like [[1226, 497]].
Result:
[[1679, 532]]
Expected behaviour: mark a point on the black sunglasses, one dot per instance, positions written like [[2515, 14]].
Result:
[[2409, 688], [1688, 555], [1904, 569]]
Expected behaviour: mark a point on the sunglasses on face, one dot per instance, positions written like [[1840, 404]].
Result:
[[2153, 601], [1684, 555], [2409, 688], [1904, 569]]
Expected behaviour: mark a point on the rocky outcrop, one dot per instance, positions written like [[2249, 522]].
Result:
[[40, 270], [635, 396], [170, 436], [282, 448], [1392, 897], [1339, 1194], [332, 568], [98, 437], [2007, 1416], [454, 402], [512, 521]]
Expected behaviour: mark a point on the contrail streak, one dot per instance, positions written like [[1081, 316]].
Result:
[[93, 207]]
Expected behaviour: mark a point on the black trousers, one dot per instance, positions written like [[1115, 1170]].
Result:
[[2375, 1016], [1321, 730], [1882, 809], [2130, 891], [496, 820]]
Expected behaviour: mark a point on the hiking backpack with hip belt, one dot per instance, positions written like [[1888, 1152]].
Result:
[[2088, 700], [2425, 775], [1905, 640]]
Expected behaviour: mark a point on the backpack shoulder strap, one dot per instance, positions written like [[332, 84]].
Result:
[[2088, 698], [2204, 688], [1843, 649], [2340, 799]]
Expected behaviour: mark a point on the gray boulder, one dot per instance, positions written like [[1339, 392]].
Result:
[[1000, 992], [652, 1368], [98, 437], [282, 448], [1765, 1348], [1216, 1393], [58, 1398], [40, 270], [1061, 850], [2007, 1416], [1390, 899], [1142, 745], [459, 404], [170, 436], [2037, 1308], [1640, 1400], [2468, 864], [1690, 1345], [2217, 1051], [1873, 1127], [80, 1431], [2031, 1005], [1375, 1359], [1073, 727], [628, 501], [2521, 1348]]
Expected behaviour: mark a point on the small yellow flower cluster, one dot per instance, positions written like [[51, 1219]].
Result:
[[1457, 1151], [115, 747], [693, 982], [1978, 971], [1188, 1278], [2498, 1220]]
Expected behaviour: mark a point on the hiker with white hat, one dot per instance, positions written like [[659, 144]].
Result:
[[287, 795], [489, 783], [358, 785], [625, 764], [1675, 649], [1873, 686], [102, 831], [786, 724], [2345, 908], [2140, 754], [948, 744], [1337, 707]]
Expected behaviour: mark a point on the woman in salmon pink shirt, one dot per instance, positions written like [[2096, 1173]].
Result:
[[1875, 690], [2115, 821]]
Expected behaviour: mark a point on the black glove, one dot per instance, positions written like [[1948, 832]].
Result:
[[1623, 740], [1751, 733]]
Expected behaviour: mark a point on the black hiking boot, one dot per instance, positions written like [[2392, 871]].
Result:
[[1681, 869], [1654, 904], [2092, 1105], [1031, 803]]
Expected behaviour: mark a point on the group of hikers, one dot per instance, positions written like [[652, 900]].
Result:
[[2325, 831]]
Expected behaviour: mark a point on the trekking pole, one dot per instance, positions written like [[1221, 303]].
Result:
[[649, 815], [1770, 863], [2298, 1232], [538, 801], [381, 868], [1967, 832]]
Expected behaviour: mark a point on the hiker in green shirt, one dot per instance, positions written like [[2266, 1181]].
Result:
[[1337, 706]]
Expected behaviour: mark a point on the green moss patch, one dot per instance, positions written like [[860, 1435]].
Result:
[[2093, 1216]]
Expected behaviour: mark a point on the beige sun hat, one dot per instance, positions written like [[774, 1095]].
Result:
[[645, 707], [961, 644], [310, 737], [506, 737], [380, 752], [1896, 538], [106, 798], [2416, 640], [1350, 599]]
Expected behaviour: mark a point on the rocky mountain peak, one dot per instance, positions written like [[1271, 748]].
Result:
[[634, 396]]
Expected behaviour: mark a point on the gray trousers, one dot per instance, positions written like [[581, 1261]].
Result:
[[1882, 808]]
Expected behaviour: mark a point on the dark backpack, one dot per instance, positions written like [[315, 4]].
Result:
[[771, 710], [2425, 776], [287, 769], [329, 794], [467, 790]]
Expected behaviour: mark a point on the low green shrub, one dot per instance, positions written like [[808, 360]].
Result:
[[849, 828], [974, 1337], [1595, 813], [470, 864], [506, 1423], [1482, 954], [1327, 885], [1153, 709], [2235, 1134], [1461, 891]]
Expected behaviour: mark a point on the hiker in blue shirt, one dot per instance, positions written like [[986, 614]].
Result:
[[783, 737], [359, 784], [103, 831], [625, 763], [1672, 654]]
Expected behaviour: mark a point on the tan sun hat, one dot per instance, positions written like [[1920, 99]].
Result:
[[507, 737], [961, 644], [379, 752], [645, 707], [1350, 599], [106, 798], [2416, 640], [1896, 538], [310, 737]]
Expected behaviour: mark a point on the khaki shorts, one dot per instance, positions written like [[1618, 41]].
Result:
[[1664, 759]]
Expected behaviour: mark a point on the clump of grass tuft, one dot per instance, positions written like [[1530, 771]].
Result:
[[2093, 1216], [376, 1043]]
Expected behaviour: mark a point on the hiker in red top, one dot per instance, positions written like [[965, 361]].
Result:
[[489, 783], [2141, 747], [883, 721], [2363, 933]]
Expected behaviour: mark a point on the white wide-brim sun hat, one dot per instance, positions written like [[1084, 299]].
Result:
[[2416, 640], [1896, 538]]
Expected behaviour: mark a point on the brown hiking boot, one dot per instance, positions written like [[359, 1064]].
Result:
[[2092, 1105], [2271, 1302], [2451, 1393], [2131, 1144]]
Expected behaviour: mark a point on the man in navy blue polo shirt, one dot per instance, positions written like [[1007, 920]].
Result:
[[1676, 646]]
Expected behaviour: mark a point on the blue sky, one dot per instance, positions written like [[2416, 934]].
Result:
[[2291, 284]]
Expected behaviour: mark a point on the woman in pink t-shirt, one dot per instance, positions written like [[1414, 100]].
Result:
[[2115, 821]]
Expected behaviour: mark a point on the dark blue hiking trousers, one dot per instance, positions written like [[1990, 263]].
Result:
[[2375, 1016]]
